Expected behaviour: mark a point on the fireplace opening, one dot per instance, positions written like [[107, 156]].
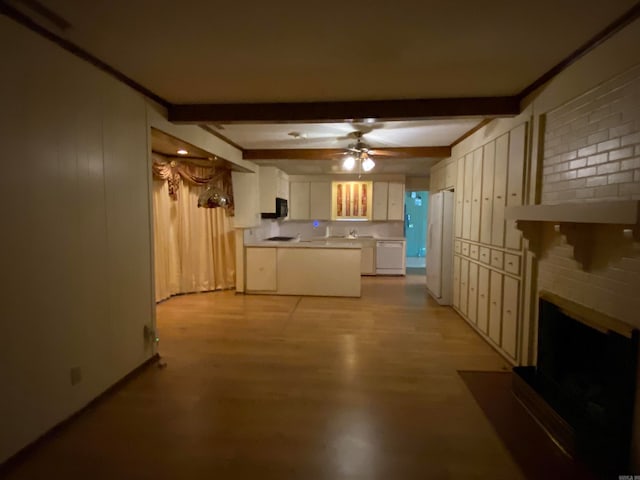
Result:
[[586, 374]]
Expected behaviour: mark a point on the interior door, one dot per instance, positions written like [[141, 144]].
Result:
[[434, 245]]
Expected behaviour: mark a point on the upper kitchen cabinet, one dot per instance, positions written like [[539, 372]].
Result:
[[246, 199], [320, 200], [395, 209], [380, 200], [450, 173], [274, 183], [388, 201], [310, 201], [299, 201]]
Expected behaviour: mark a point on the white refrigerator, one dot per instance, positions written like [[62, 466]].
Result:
[[440, 247]]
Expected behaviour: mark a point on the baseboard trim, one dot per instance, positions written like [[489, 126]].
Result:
[[25, 451]]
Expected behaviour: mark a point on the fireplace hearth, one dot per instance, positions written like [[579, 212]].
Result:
[[582, 388]]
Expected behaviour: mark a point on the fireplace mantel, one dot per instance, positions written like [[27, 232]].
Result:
[[598, 231], [609, 213]]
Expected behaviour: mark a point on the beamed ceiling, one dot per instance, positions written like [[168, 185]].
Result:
[[227, 63]]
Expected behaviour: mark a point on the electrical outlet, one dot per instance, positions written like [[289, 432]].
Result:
[[76, 375]]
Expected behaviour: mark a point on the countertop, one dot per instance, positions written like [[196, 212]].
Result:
[[324, 242], [305, 244]]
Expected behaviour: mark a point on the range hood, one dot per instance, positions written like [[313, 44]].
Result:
[[598, 231]]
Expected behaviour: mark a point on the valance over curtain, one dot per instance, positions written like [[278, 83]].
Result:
[[194, 247]]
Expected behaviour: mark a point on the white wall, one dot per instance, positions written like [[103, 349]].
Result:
[[76, 239]]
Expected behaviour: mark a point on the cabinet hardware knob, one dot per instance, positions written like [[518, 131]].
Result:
[[495, 303], [498, 197], [482, 295], [486, 198], [508, 312]]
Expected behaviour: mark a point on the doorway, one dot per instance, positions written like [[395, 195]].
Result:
[[416, 209]]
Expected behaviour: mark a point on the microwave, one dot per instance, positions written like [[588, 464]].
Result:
[[281, 211]]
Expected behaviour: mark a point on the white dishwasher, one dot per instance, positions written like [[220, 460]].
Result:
[[390, 257]]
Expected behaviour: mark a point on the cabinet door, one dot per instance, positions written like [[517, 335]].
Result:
[[495, 307], [467, 195], [299, 204], [515, 182], [261, 269], [283, 185], [450, 175], [464, 286], [367, 261], [456, 281], [510, 316], [472, 302], [320, 200], [476, 195], [396, 201], [380, 200], [499, 190], [459, 194], [488, 164], [483, 299]]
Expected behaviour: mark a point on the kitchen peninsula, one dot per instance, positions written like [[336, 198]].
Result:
[[323, 268]]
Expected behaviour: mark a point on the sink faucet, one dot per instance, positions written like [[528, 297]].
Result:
[[353, 233]]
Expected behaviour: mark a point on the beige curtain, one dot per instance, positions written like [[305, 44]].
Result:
[[194, 247]]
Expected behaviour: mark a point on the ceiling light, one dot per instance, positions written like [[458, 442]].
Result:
[[349, 163], [368, 164], [369, 120], [182, 151]]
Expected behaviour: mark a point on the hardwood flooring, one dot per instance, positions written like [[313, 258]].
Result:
[[265, 387]]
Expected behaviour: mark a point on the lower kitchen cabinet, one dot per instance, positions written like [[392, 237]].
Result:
[[464, 286], [261, 272], [510, 316], [368, 261], [472, 301], [456, 281], [483, 299], [495, 306]]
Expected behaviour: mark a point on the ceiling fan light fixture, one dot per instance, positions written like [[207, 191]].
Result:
[[349, 163], [368, 164]]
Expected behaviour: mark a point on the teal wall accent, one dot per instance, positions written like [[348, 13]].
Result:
[[415, 223]]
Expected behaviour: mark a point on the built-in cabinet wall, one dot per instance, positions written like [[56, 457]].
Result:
[[488, 253]]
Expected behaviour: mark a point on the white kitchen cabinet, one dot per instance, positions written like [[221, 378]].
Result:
[[495, 307], [380, 200], [499, 190], [368, 261], [320, 200], [261, 272], [467, 195], [459, 193], [395, 208], [515, 182], [299, 201], [472, 301], [510, 316], [464, 286], [456, 281], [450, 175], [246, 199], [488, 165], [476, 195], [483, 299], [273, 183]]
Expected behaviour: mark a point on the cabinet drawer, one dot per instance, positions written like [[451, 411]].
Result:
[[465, 249], [512, 263], [473, 252], [458, 247], [485, 255], [497, 259]]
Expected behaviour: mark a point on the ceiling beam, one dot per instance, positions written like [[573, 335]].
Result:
[[334, 153], [418, 109]]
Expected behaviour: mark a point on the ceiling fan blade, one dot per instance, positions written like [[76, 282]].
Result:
[[384, 153]]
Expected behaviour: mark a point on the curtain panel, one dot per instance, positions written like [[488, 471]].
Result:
[[194, 247]]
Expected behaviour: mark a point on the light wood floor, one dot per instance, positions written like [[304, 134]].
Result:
[[263, 387]]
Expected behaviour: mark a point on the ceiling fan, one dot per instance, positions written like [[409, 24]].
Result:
[[360, 154]]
